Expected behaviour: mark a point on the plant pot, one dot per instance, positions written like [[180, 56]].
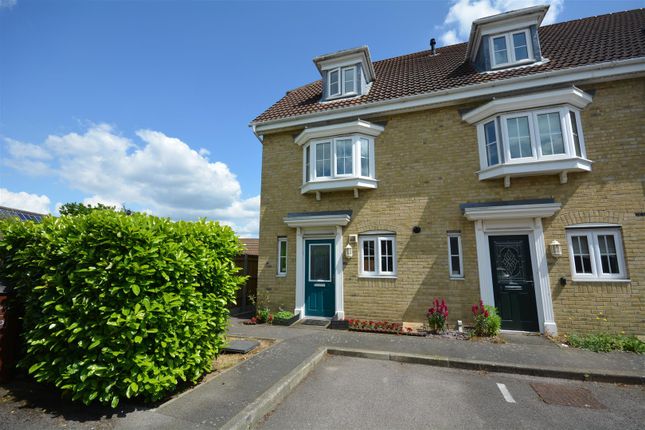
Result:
[[288, 322]]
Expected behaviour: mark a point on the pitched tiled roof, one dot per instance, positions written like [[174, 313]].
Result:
[[599, 39], [6, 212], [252, 245]]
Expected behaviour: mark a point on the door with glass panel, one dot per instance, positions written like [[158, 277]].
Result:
[[319, 278]]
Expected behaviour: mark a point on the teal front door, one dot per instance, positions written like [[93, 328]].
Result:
[[319, 278]]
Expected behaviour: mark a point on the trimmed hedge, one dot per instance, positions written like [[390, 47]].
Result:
[[120, 305]]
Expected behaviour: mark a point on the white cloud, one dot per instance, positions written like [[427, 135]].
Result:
[[161, 174], [463, 12], [24, 201], [7, 4]]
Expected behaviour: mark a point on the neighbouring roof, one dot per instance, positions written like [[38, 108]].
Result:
[[6, 212], [252, 245], [617, 36]]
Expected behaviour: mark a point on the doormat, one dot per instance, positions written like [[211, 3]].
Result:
[[555, 394], [318, 323]]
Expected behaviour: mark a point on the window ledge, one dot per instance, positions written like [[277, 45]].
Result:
[[602, 280], [536, 167], [339, 184], [377, 276], [457, 278], [281, 275]]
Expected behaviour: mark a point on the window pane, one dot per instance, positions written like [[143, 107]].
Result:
[[349, 80], [608, 256], [499, 50], [456, 269], [576, 137], [323, 159], [344, 159], [520, 46], [581, 256], [550, 130], [368, 256], [387, 259], [334, 84], [319, 262], [491, 143], [454, 245], [282, 256], [365, 157], [307, 163], [519, 138]]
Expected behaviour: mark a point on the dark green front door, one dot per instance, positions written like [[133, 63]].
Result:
[[513, 282], [319, 278]]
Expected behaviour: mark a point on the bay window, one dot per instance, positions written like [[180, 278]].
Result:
[[378, 255], [338, 158], [596, 254]]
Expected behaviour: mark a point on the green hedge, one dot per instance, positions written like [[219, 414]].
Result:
[[119, 305]]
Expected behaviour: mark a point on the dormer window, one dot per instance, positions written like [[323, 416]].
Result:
[[511, 48], [342, 81]]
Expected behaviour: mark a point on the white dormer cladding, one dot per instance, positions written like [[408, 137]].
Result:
[[338, 157], [347, 73], [506, 40], [531, 134]]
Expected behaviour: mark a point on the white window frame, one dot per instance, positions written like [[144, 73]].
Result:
[[594, 250], [280, 272], [504, 149], [308, 262], [341, 82], [357, 171], [510, 48], [459, 254], [378, 271]]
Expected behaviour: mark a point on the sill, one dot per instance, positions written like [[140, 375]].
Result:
[[281, 275], [515, 64], [602, 280], [341, 96], [377, 276], [536, 167], [455, 278], [339, 184]]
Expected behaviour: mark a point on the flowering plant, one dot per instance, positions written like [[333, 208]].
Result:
[[487, 322], [437, 316]]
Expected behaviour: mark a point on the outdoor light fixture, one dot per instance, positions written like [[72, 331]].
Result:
[[556, 248], [349, 251]]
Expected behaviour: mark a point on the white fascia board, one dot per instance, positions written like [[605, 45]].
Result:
[[572, 96], [542, 210], [317, 221], [458, 95], [358, 126]]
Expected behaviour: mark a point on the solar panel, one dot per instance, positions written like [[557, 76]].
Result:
[[20, 214]]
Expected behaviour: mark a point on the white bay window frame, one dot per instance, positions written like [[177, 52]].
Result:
[[592, 236], [510, 48], [357, 171], [377, 240]]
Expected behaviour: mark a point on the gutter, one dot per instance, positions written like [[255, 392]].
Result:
[[457, 95]]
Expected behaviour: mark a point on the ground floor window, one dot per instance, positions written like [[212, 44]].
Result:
[[378, 255], [455, 256], [282, 256], [596, 253]]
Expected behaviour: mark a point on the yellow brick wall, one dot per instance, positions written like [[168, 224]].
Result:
[[426, 163]]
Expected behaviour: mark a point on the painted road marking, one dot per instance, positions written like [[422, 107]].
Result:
[[505, 393]]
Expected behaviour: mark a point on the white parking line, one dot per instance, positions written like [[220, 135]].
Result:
[[505, 393]]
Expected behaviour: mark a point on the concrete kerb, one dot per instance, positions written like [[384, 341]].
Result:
[[254, 412], [542, 371]]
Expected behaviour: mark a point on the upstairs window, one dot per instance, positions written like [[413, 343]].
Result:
[[339, 158], [341, 82], [531, 136], [511, 48]]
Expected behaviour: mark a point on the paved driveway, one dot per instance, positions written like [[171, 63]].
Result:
[[371, 394]]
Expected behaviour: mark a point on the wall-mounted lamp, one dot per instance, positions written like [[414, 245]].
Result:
[[556, 248], [349, 251]]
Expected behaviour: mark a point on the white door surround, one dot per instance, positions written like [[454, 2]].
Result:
[[515, 219], [319, 225]]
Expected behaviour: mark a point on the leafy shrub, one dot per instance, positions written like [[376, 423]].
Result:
[[119, 305], [263, 315], [605, 342], [283, 315], [437, 316], [487, 322]]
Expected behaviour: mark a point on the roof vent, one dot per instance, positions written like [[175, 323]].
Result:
[[433, 43]]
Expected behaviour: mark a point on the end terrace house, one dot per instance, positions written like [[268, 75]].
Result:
[[510, 168]]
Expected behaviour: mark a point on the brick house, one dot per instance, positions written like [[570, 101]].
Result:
[[510, 168]]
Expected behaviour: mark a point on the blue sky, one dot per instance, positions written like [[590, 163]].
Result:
[[147, 103]]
